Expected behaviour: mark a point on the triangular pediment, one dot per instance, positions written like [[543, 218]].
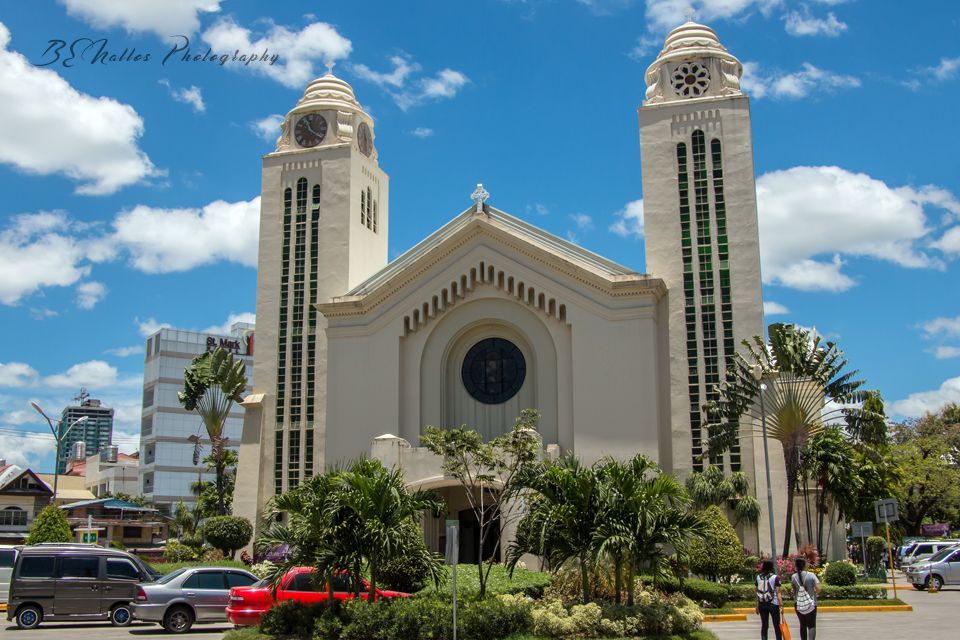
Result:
[[518, 237]]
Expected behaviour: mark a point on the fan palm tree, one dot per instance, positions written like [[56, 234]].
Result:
[[712, 487], [211, 385], [798, 376]]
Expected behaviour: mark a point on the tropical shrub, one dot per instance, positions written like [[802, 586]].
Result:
[[748, 592], [178, 552], [653, 614], [116, 544], [409, 571], [292, 619], [263, 569], [50, 526], [228, 533], [810, 554], [499, 617], [709, 594], [719, 554], [840, 573]]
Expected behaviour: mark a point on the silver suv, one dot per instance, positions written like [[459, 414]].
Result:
[[189, 595], [924, 549], [942, 568]]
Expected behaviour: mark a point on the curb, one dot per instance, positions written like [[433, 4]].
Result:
[[846, 609], [726, 617]]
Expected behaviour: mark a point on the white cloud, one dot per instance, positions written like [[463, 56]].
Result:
[[803, 24], [865, 218], [422, 132], [406, 91], [124, 352], [774, 309], [191, 95], [947, 68], [27, 449], [170, 17], [663, 15], [17, 374], [150, 326], [629, 220], [298, 50], [224, 328], [33, 255], [169, 240], [917, 404], [582, 221], [90, 293], [811, 80], [50, 127], [945, 352], [42, 313], [941, 327], [538, 208], [949, 243], [94, 374], [268, 128]]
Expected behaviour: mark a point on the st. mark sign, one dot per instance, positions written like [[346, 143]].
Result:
[[235, 345]]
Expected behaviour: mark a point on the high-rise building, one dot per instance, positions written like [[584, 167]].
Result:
[[168, 465], [95, 432]]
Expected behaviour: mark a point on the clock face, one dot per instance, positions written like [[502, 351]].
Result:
[[364, 139], [310, 130], [690, 80]]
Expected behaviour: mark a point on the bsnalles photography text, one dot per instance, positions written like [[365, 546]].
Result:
[[100, 52]]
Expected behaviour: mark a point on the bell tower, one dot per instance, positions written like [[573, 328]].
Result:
[[701, 233], [323, 230]]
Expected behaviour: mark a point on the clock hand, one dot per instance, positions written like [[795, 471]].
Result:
[[312, 131]]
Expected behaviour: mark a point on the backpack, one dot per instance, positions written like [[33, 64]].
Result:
[[804, 602], [765, 592]]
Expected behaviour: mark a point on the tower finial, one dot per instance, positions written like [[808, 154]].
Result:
[[330, 64], [479, 196], [690, 13]]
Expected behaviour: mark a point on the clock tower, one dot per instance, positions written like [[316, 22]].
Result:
[[323, 230], [701, 234]]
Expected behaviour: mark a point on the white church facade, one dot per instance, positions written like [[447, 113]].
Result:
[[490, 315]]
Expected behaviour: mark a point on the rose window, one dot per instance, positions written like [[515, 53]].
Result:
[[690, 80]]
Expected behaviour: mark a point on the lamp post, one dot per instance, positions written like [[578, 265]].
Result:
[[757, 373], [59, 437]]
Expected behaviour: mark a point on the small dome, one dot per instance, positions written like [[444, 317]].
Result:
[[329, 92], [692, 35]]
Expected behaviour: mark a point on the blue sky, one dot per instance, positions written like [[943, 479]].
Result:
[[853, 108]]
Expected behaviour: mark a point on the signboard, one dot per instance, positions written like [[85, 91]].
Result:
[[939, 530], [452, 550], [862, 529], [88, 536], [886, 510]]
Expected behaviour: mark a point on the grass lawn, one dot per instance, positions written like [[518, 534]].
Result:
[[531, 583], [252, 633], [166, 567]]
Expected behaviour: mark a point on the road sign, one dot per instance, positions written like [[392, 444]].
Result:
[[886, 510], [88, 536], [862, 529], [452, 550]]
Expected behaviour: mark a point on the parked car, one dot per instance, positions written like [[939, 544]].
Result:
[[924, 550], [187, 596], [942, 567], [248, 604], [74, 582], [8, 555]]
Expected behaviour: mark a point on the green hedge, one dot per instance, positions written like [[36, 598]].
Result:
[[710, 594], [745, 592], [840, 574]]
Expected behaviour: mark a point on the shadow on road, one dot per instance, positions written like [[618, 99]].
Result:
[[149, 630]]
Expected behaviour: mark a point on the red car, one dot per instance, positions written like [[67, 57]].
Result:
[[247, 604]]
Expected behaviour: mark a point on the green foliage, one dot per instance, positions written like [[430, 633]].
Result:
[[116, 544], [501, 580], [293, 619], [178, 552], [228, 533], [840, 574], [652, 615], [719, 554], [876, 545], [50, 526], [710, 594], [409, 572], [712, 487], [748, 593], [476, 465]]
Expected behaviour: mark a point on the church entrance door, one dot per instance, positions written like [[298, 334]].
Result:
[[470, 538]]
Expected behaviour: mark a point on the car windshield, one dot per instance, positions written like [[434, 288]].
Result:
[[940, 555], [153, 573], [171, 576]]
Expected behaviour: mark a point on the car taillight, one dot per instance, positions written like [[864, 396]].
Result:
[[141, 595]]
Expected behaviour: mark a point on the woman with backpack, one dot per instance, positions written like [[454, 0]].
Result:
[[769, 599], [806, 587]]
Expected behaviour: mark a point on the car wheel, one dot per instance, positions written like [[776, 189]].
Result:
[[120, 615], [29, 616], [937, 582], [178, 620]]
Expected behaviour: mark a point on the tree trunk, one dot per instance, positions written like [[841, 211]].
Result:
[[220, 467], [631, 579], [821, 513], [585, 579], [372, 595], [356, 578], [806, 507], [617, 577], [790, 454]]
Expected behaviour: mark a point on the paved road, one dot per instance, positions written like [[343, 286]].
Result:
[[933, 616], [105, 631]]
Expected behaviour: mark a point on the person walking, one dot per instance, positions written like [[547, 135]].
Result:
[[806, 588], [769, 600]]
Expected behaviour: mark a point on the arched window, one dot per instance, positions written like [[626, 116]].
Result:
[[316, 198], [302, 195], [13, 517]]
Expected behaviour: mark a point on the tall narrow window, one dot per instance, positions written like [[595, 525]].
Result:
[[369, 208], [363, 207], [690, 305], [376, 216], [282, 340]]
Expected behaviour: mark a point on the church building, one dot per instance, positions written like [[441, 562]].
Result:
[[490, 315]]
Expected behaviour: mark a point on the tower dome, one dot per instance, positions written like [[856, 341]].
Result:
[[692, 47], [328, 92]]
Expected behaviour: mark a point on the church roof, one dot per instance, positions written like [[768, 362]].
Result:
[[546, 241]]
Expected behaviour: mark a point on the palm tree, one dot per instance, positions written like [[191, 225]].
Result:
[[712, 487], [560, 525], [211, 385], [831, 462], [799, 376]]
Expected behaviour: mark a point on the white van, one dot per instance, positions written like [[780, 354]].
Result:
[[923, 549], [8, 555]]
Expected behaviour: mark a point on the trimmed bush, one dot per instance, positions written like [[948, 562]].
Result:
[[294, 619], [748, 592], [228, 533], [50, 526], [720, 553], [405, 572], [177, 552], [840, 574], [710, 594]]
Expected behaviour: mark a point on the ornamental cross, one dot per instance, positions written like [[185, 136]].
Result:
[[479, 196], [330, 64]]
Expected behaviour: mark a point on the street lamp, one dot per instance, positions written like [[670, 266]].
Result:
[[757, 372], [59, 437]]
